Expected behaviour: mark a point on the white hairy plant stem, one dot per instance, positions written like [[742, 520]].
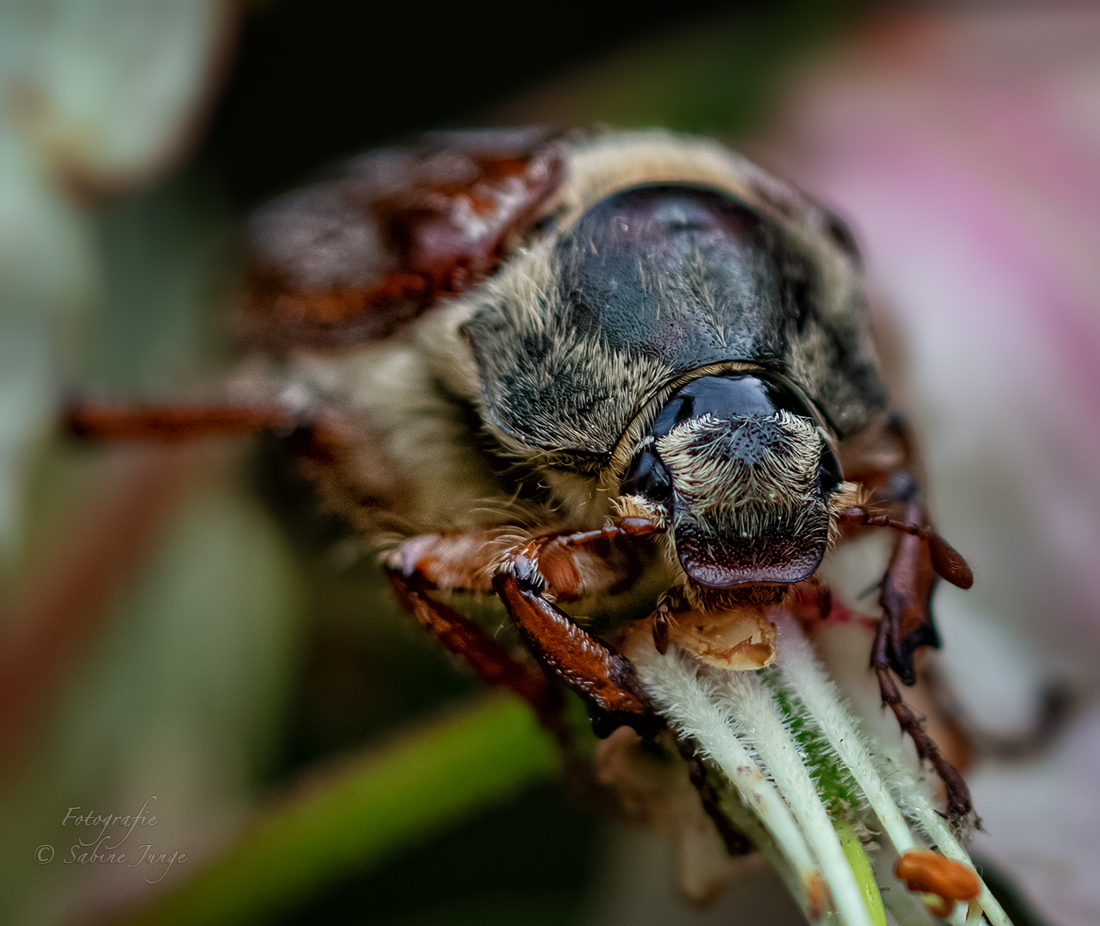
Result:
[[806, 679], [689, 702], [744, 727], [912, 797], [752, 712]]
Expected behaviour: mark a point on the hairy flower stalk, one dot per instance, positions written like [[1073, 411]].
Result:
[[800, 762]]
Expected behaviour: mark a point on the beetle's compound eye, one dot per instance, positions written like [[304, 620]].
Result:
[[647, 477]]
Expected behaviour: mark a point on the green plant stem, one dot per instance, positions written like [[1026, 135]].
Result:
[[352, 816], [861, 868]]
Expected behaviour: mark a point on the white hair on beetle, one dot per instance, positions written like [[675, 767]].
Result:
[[704, 456]]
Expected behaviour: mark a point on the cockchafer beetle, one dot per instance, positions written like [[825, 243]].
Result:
[[617, 378]]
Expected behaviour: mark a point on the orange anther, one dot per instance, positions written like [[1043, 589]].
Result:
[[930, 873]]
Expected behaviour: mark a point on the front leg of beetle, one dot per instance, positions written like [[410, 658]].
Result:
[[906, 598], [957, 793], [905, 594], [461, 562], [919, 556], [545, 568], [906, 623], [606, 681]]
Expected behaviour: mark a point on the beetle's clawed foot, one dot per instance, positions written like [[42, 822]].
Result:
[[959, 805]]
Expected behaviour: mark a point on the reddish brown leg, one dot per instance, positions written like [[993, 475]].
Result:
[[314, 440], [958, 794], [905, 597], [906, 591], [890, 471], [604, 679], [460, 562], [172, 423]]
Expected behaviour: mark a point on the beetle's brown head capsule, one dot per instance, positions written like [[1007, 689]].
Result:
[[743, 471]]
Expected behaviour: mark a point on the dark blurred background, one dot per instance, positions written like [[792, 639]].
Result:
[[316, 81]]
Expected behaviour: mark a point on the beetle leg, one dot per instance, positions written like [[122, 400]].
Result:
[[906, 623], [905, 593], [905, 596], [884, 461], [172, 423], [462, 562], [605, 680], [958, 794], [459, 562], [906, 599]]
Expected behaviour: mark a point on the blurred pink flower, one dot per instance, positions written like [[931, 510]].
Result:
[[964, 150]]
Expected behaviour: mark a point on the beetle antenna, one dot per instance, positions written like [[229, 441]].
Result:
[[946, 560]]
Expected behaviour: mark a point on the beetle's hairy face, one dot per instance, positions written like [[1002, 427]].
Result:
[[740, 483], [746, 502]]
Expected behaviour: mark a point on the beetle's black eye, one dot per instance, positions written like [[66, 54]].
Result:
[[647, 477], [829, 475]]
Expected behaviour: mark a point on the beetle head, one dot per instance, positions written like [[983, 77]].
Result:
[[739, 471]]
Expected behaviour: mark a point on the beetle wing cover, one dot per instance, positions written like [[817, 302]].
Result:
[[353, 258]]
